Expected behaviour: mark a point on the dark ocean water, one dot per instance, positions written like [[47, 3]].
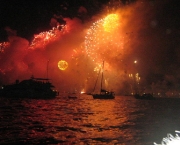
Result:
[[123, 121]]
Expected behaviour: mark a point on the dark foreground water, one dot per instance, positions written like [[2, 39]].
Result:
[[123, 121]]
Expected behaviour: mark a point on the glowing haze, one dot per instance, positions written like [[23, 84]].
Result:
[[102, 41], [120, 36]]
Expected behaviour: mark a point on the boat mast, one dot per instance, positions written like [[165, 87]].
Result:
[[47, 68], [97, 80], [102, 75]]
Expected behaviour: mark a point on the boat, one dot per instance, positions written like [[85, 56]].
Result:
[[72, 95], [145, 96], [36, 88], [104, 94]]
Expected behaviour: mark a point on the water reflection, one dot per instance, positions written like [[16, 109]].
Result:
[[124, 120], [77, 121]]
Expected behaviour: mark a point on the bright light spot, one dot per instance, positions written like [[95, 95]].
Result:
[[97, 68], [111, 22], [82, 92], [170, 140], [62, 65], [135, 61]]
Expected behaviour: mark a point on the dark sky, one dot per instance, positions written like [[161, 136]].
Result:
[[29, 17], [151, 29]]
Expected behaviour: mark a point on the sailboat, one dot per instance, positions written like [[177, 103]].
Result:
[[104, 94]]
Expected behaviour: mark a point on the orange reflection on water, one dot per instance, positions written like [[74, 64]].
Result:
[[80, 120], [106, 120]]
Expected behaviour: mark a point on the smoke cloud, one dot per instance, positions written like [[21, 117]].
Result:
[[145, 36]]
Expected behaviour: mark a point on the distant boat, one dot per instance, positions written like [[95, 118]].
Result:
[[72, 95], [144, 96], [32, 88], [104, 94]]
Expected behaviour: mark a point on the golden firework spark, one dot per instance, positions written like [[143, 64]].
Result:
[[111, 22], [102, 42], [62, 65]]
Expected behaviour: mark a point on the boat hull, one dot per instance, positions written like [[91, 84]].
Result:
[[28, 94], [37, 88], [104, 96], [144, 97]]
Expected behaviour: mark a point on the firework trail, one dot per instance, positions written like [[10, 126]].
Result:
[[42, 39]]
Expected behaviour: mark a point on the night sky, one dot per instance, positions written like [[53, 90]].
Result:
[[30, 17], [148, 32]]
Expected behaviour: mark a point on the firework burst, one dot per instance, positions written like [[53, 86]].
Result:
[[62, 65], [3, 46], [42, 39], [103, 40]]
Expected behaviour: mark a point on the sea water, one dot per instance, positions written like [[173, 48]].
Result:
[[86, 121]]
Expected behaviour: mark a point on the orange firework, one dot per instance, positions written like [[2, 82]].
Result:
[[62, 65], [43, 38], [111, 22], [103, 39]]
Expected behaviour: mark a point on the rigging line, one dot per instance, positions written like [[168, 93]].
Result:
[[102, 75], [47, 68], [97, 80], [98, 77]]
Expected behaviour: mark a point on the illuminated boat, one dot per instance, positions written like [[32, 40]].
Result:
[[104, 94], [144, 96], [37, 88]]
